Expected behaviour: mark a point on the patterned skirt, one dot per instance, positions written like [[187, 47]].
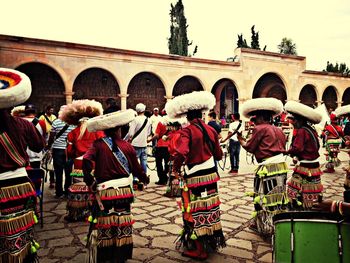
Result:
[[305, 187], [269, 196], [333, 148], [111, 235], [17, 219], [78, 201], [173, 188], [200, 205]]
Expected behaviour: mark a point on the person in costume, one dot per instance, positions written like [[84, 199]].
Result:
[[18, 111], [174, 125], [267, 142], [115, 164], [17, 195], [333, 134], [345, 111], [198, 149], [304, 187], [79, 141]]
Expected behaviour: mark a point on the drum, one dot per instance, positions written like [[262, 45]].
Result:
[[310, 237]]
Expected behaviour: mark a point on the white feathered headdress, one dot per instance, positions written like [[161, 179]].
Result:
[[303, 110], [197, 100], [342, 110], [79, 109], [261, 104], [110, 120]]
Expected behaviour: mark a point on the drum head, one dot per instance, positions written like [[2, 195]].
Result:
[[306, 215]]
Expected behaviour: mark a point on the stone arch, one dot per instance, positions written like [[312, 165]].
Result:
[[146, 88], [330, 97], [187, 84], [346, 97], [308, 95], [47, 86], [96, 83], [270, 85], [226, 95]]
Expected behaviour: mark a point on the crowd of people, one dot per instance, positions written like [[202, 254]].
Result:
[[100, 160]]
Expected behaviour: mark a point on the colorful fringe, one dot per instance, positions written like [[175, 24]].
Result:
[[269, 195], [16, 192], [333, 148], [79, 197], [17, 237], [201, 212], [304, 190], [77, 173], [111, 239]]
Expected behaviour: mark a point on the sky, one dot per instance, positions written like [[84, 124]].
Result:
[[319, 28]]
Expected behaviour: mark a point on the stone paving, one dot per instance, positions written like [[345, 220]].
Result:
[[158, 221]]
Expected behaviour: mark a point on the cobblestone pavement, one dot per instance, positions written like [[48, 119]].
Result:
[[158, 221]]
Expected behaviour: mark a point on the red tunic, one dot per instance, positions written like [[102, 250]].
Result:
[[190, 147], [160, 131], [23, 134], [266, 141], [77, 147], [303, 145], [106, 165]]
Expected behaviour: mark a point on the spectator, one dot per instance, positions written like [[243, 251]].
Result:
[[213, 123], [111, 106]]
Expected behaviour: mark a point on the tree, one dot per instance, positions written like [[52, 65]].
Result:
[[338, 68], [255, 39], [287, 47], [242, 42], [178, 42]]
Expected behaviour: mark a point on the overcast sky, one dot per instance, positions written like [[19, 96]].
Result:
[[320, 28]]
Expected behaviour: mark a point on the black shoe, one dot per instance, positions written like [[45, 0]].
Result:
[[161, 183]]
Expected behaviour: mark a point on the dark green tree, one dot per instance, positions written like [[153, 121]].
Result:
[[255, 39], [287, 47], [178, 42], [337, 68], [242, 42]]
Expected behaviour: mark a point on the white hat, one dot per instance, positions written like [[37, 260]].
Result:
[[261, 104], [15, 88], [342, 110], [155, 109], [166, 120], [196, 100], [297, 108], [110, 120], [140, 107]]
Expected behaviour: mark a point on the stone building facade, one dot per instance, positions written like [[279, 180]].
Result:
[[61, 72]]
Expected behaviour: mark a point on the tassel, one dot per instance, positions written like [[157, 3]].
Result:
[[95, 221], [185, 188], [183, 209], [188, 209], [254, 214], [193, 236], [36, 245], [257, 200], [33, 250], [250, 194], [182, 231], [299, 203], [36, 219], [90, 219], [264, 200]]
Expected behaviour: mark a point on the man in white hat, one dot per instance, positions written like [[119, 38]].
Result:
[[115, 164], [139, 130], [267, 143], [198, 148], [17, 196], [304, 187]]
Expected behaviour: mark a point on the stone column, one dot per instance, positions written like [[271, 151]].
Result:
[[318, 102], [339, 103], [69, 96], [123, 100]]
